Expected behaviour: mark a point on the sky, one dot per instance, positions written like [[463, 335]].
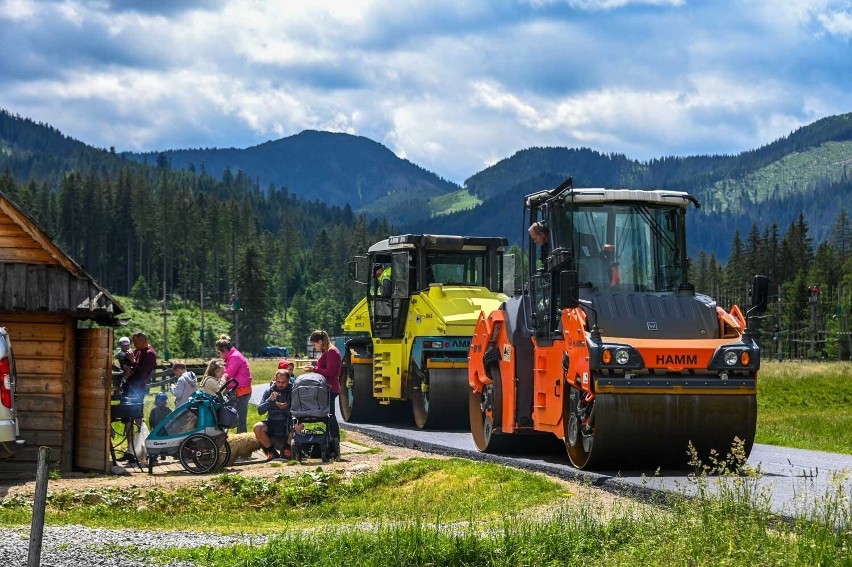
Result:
[[453, 86]]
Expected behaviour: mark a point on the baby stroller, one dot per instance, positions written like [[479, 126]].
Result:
[[310, 407], [196, 433]]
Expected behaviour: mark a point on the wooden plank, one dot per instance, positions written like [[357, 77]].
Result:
[[92, 403], [69, 389], [98, 376], [40, 366], [20, 240], [39, 330], [96, 356], [38, 384], [99, 394], [49, 421], [27, 320], [30, 256], [37, 349], [15, 296], [38, 404], [51, 438], [57, 294], [8, 230]]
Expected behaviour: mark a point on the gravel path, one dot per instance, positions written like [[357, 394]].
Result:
[[79, 546]]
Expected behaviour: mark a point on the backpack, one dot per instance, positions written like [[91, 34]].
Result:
[[309, 396]]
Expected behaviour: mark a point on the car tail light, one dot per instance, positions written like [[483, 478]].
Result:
[[5, 383]]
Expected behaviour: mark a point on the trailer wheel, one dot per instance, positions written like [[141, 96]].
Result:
[[224, 455], [198, 454]]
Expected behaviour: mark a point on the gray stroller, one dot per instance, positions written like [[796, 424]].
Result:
[[311, 409]]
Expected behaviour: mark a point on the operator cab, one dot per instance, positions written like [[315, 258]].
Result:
[[619, 241], [418, 262]]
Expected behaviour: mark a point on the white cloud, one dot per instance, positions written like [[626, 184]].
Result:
[[452, 86], [837, 23]]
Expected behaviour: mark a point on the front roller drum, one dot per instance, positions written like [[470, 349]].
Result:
[[633, 431], [443, 403]]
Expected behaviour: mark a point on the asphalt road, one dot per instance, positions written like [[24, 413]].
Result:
[[795, 481]]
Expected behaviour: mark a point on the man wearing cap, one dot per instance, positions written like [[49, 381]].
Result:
[[382, 276], [289, 366]]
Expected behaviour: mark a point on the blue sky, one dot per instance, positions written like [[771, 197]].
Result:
[[453, 86]]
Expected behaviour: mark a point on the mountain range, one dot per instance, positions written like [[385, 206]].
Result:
[[807, 171]]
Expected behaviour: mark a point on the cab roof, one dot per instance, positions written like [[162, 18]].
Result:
[[438, 242]]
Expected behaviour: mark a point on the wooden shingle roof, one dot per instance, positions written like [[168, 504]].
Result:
[[36, 275]]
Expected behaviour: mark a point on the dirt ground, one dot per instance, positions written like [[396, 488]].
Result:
[[359, 454]]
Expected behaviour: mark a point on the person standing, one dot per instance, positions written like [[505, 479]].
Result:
[[236, 367], [145, 362], [328, 364]]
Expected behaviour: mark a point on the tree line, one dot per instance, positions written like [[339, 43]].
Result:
[[277, 258]]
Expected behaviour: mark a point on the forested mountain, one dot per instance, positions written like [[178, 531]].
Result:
[[277, 258], [336, 168], [809, 171]]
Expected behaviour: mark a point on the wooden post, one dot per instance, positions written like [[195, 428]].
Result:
[[39, 505]]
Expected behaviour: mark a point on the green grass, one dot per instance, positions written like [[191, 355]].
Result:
[[733, 528], [446, 490], [453, 202], [807, 405]]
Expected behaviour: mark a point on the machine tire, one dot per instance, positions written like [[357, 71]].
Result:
[[486, 417], [198, 454], [442, 407], [151, 460], [357, 404], [578, 445]]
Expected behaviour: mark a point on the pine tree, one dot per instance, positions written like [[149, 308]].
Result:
[[253, 281]]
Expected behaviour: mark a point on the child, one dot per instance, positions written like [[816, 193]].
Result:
[[160, 410], [211, 382], [186, 384]]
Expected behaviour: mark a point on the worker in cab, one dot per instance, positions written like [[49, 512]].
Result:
[[540, 234], [382, 278]]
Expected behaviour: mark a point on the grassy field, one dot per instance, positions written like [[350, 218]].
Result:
[[807, 405]]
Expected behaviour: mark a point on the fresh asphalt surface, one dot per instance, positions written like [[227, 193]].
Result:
[[795, 480]]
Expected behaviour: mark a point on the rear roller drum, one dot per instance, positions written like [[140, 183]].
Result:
[[357, 403], [440, 403]]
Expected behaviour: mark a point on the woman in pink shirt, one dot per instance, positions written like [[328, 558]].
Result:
[[236, 367]]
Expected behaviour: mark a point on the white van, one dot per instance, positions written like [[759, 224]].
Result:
[[8, 424]]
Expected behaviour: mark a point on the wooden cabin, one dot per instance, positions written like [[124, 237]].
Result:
[[64, 363]]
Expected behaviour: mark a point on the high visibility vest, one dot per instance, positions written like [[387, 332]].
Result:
[[385, 277]]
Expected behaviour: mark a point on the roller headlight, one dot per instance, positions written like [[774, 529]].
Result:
[[620, 357], [735, 357]]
